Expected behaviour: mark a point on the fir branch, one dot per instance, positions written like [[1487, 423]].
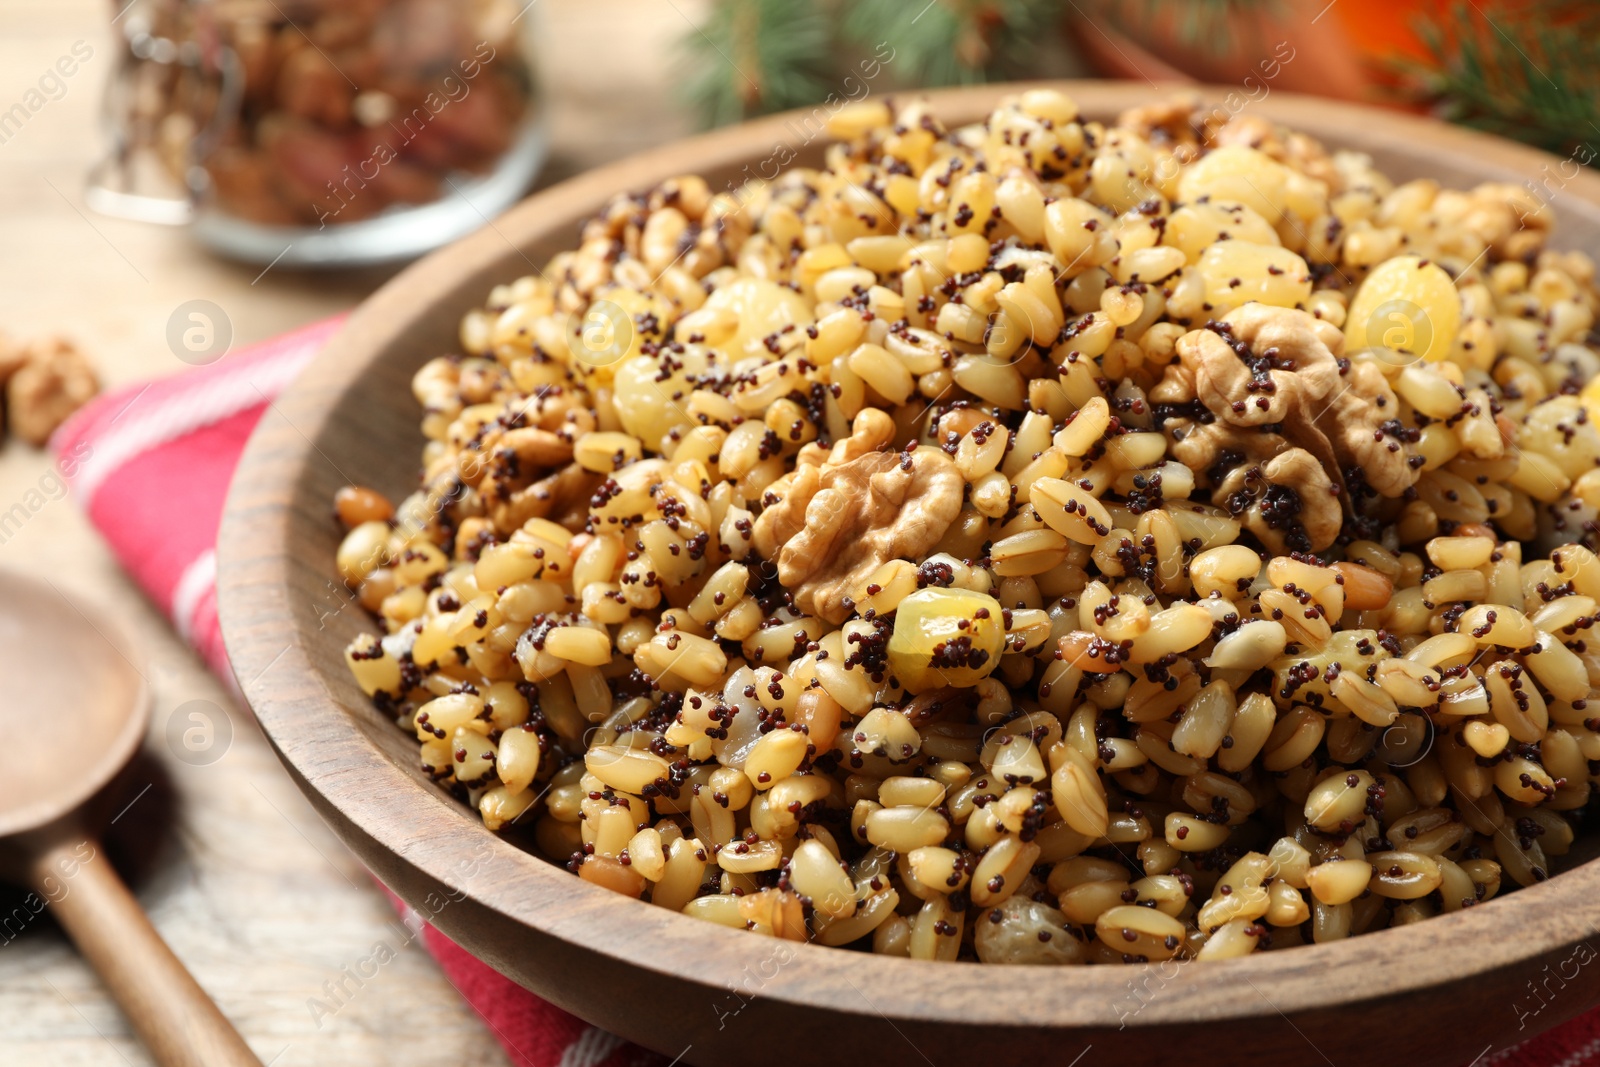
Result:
[[1208, 24], [1532, 73], [750, 57], [756, 56], [953, 42]]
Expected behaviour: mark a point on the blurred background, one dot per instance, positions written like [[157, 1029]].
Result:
[[271, 162], [1521, 68]]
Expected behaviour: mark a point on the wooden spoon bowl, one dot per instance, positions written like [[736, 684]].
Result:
[[1437, 992], [73, 708], [74, 704]]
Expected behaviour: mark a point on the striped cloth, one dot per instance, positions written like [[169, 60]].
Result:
[[151, 465]]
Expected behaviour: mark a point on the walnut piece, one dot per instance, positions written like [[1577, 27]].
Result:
[[1300, 152], [785, 517], [861, 514], [1260, 364], [55, 380], [1293, 421], [1191, 128], [1176, 385], [1288, 502], [1214, 448], [1280, 369], [1355, 422], [871, 431], [1177, 121]]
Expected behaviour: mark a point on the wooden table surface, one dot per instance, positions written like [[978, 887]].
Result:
[[243, 880]]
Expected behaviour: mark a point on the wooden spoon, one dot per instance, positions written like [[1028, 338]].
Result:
[[74, 708]]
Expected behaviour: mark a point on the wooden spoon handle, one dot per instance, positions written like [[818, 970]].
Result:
[[177, 1021]]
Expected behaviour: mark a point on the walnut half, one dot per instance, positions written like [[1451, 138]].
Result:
[[859, 515], [1288, 502], [1278, 371], [1259, 365]]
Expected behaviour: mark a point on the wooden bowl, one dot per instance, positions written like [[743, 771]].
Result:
[[1438, 992]]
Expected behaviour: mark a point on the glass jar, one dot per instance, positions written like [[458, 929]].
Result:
[[321, 132]]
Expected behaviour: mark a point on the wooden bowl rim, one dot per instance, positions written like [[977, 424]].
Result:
[[328, 754]]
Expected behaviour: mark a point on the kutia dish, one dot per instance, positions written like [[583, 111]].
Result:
[[1483, 976], [1034, 541]]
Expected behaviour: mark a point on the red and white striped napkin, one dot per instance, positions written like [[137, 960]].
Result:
[[151, 464]]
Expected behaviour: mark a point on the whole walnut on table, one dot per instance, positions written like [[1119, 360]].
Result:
[[51, 381]]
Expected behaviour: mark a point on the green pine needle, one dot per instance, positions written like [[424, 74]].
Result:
[[953, 42], [751, 57], [754, 56], [1532, 73], [1207, 23]]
